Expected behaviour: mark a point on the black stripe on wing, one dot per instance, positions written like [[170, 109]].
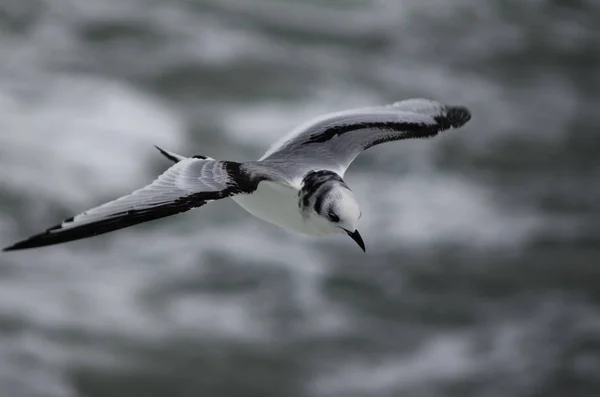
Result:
[[241, 183], [455, 117]]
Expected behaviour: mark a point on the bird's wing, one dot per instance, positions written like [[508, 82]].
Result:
[[334, 140], [188, 184]]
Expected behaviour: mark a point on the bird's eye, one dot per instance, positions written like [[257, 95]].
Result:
[[333, 217]]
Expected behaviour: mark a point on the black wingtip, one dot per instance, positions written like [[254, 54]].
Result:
[[16, 246], [35, 241], [458, 116]]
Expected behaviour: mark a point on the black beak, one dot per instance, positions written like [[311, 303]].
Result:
[[355, 235]]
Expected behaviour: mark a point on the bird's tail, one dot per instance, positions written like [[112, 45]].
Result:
[[176, 158]]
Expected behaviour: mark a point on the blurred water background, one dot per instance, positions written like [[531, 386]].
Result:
[[482, 274]]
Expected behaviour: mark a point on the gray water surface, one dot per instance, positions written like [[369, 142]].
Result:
[[482, 271]]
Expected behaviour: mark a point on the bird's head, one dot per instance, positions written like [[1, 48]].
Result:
[[342, 212], [331, 205]]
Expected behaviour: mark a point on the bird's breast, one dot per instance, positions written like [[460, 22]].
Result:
[[276, 204]]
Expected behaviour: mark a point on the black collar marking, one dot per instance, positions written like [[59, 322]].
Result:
[[312, 183]]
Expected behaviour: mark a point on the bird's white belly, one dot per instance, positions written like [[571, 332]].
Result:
[[276, 204]]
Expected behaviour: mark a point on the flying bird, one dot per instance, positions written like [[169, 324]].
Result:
[[297, 184]]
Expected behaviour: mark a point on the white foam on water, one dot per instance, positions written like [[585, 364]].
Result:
[[353, 19], [71, 141], [33, 365], [443, 358], [82, 139], [110, 293], [90, 300], [241, 316], [103, 291], [421, 209], [446, 359], [74, 140], [517, 351]]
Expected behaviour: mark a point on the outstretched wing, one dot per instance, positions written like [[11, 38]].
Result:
[[333, 141], [188, 184]]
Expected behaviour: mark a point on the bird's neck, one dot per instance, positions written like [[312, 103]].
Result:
[[315, 187]]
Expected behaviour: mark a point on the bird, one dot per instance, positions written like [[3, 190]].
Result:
[[298, 184]]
